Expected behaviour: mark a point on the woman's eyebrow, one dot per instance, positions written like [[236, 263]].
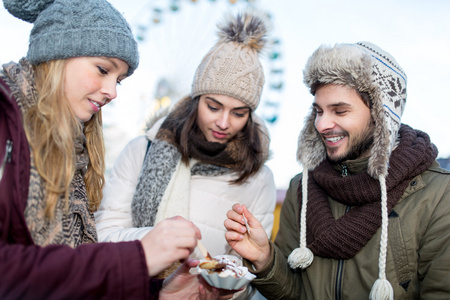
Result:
[[221, 104], [214, 100], [111, 61]]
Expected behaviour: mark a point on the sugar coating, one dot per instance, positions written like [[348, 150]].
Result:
[[231, 266]]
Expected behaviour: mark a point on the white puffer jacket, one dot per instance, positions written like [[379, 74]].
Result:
[[210, 199]]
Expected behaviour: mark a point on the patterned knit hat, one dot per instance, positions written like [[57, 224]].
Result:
[[75, 28], [369, 69], [232, 66]]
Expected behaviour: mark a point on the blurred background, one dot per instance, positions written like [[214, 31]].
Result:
[[174, 35]]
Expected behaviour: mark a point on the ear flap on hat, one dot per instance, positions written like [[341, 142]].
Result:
[[311, 150], [366, 68]]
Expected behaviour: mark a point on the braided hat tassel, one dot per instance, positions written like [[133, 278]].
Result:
[[302, 257], [382, 288]]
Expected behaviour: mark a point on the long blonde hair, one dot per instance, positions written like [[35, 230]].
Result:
[[51, 128]]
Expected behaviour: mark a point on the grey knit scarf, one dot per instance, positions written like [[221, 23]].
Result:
[[212, 159], [157, 171]]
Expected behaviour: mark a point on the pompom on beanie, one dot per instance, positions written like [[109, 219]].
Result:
[[75, 28], [232, 67]]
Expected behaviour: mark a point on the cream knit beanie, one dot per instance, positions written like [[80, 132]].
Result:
[[232, 66]]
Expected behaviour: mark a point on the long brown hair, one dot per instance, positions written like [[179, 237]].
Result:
[[51, 128], [250, 155]]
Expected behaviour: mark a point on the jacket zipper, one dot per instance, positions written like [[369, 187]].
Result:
[[6, 158], [344, 172], [339, 272], [340, 267]]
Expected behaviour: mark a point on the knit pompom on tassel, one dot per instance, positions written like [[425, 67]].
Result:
[[300, 258], [381, 290]]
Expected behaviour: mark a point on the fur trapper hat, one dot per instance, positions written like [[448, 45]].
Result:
[[232, 67], [365, 68], [74, 28], [368, 69]]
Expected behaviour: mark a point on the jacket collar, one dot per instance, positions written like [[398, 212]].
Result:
[[353, 166]]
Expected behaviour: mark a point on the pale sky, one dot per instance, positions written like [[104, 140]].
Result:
[[415, 32]]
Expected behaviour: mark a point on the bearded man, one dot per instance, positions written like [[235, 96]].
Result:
[[368, 218]]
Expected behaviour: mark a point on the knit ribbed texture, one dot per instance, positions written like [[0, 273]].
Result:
[[344, 237], [365, 68], [162, 160], [232, 66], [72, 225], [74, 28], [389, 97], [25, 9]]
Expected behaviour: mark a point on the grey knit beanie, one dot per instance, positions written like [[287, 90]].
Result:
[[74, 28], [232, 66]]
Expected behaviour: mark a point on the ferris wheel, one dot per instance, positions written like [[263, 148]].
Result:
[[173, 37]]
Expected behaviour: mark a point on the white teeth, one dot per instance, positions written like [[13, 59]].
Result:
[[95, 103], [334, 139]]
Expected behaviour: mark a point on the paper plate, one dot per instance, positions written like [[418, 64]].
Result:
[[228, 282]]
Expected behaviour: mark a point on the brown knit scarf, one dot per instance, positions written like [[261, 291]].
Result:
[[159, 165], [344, 237], [224, 155]]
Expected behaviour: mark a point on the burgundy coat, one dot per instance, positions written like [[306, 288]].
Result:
[[28, 271]]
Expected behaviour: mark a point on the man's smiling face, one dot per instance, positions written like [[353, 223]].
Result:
[[344, 122]]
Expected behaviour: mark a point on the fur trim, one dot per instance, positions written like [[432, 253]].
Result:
[[157, 116], [310, 139], [154, 117], [366, 68], [249, 29], [343, 65]]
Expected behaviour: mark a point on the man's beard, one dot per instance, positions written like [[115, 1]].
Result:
[[359, 145]]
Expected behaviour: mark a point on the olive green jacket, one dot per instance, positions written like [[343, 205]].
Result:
[[418, 253]]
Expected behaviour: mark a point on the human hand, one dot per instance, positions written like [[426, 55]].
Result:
[[183, 285], [252, 244], [170, 240]]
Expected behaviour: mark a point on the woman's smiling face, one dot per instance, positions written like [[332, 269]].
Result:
[[90, 83]]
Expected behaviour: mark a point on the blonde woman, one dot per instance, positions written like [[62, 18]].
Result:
[[52, 165]]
